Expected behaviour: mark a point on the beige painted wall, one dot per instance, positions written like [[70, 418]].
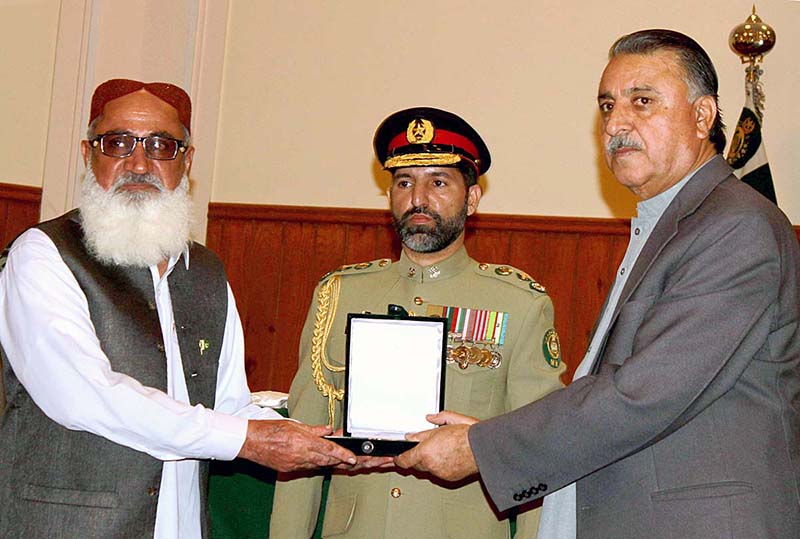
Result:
[[27, 49], [288, 94], [306, 83]]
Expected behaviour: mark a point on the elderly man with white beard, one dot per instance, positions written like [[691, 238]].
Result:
[[122, 349]]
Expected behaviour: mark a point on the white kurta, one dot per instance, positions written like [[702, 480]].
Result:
[[50, 342]]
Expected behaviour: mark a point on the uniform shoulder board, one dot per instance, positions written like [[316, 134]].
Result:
[[511, 275], [360, 268]]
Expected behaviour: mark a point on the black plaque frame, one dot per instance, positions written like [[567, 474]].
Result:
[[377, 446]]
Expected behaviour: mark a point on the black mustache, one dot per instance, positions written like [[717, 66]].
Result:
[[420, 210]]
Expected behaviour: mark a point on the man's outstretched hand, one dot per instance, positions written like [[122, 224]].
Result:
[[286, 446], [443, 452]]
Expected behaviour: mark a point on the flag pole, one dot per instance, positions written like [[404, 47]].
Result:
[[751, 40]]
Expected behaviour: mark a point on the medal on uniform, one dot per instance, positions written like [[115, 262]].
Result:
[[486, 358], [461, 355], [475, 355], [475, 335], [497, 359]]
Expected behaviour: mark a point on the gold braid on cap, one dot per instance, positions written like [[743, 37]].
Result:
[[422, 160], [327, 300]]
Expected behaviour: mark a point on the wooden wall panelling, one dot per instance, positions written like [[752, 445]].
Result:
[[294, 294], [214, 234], [488, 245], [233, 239], [330, 243], [275, 256], [594, 273], [387, 244], [19, 209], [369, 242], [550, 258], [264, 315]]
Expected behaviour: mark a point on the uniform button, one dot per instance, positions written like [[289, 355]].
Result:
[[538, 287], [622, 271], [151, 305], [483, 266], [384, 262], [637, 231], [396, 492], [434, 272], [152, 491], [418, 300], [412, 272], [160, 347]]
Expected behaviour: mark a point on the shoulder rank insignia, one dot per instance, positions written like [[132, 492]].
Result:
[[551, 347], [510, 274], [361, 267]]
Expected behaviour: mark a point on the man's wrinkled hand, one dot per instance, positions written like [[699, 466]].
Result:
[[443, 452], [286, 446]]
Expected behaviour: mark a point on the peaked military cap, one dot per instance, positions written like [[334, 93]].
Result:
[[429, 137]]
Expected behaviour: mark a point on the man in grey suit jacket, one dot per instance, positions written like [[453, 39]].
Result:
[[687, 422]]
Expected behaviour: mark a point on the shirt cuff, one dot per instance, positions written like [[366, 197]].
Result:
[[226, 436]]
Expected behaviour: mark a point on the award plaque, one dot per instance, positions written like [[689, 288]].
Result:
[[395, 367]]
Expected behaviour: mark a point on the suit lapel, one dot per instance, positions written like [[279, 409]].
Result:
[[685, 203]]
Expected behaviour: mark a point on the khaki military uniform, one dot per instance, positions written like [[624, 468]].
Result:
[[410, 504]]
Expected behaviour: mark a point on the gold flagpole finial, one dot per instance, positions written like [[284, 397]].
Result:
[[752, 39]]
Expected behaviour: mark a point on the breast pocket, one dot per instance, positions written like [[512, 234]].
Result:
[[622, 334], [472, 390]]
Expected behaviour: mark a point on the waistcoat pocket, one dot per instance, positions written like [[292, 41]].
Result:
[[65, 496]]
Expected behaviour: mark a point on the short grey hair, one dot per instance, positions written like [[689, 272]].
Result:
[[701, 77]]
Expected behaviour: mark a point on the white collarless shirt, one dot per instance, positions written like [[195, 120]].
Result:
[[50, 343]]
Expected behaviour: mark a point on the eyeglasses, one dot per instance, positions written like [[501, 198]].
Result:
[[121, 145]]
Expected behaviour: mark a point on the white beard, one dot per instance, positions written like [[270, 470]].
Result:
[[135, 228]]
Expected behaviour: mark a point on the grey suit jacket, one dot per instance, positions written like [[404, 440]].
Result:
[[690, 425]]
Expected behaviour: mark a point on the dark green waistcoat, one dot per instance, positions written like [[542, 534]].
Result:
[[59, 483]]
